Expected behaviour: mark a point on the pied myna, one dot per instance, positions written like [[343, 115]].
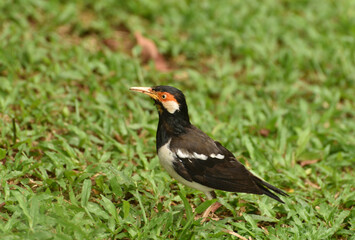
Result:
[[192, 157]]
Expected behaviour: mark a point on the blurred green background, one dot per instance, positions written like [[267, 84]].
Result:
[[273, 80]]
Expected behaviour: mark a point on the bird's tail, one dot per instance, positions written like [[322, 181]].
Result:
[[266, 187]]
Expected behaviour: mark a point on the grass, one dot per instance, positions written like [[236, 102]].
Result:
[[274, 81]]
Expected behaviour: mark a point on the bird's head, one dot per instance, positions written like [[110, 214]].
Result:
[[170, 101]]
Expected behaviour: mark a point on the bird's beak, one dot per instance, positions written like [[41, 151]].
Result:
[[146, 90]]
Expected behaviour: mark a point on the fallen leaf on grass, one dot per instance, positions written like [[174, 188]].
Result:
[[265, 230], [264, 132], [119, 138], [234, 234], [111, 43], [312, 184], [211, 209], [309, 162], [150, 52]]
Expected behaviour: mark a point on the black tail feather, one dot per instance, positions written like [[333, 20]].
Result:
[[266, 187]]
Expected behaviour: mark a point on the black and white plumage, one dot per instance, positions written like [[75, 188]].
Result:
[[192, 157]]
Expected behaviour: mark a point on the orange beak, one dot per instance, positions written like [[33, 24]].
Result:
[[146, 90]]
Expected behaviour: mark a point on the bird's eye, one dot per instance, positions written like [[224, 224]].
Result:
[[163, 96]]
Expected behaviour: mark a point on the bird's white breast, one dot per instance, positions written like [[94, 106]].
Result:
[[167, 158]]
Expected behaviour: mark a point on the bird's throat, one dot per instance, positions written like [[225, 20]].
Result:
[[168, 127]]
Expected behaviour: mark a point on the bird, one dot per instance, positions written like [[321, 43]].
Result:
[[193, 158]]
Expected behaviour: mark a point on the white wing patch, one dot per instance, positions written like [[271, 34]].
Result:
[[183, 154], [171, 106], [200, 156], [218, 156]]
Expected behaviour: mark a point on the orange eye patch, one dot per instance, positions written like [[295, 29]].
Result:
[[165, 97]]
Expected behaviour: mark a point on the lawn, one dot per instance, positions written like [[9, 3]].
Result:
[[273, 81]]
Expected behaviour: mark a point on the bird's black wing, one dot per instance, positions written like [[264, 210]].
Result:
[[207, 162]]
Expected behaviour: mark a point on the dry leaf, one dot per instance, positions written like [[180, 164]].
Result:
[[119, 138], [264, 132], [215, 206], [150, 52], [160, 64], [309, 162], [111, 43], [234, 234], [312, 184], [211, 209], [265, 230]]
